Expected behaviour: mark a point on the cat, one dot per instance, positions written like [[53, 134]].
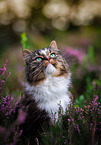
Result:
[[48, 78]]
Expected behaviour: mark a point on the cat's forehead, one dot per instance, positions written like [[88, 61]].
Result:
[[45, 51]]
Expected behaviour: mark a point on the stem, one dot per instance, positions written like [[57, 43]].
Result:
[[93, 133], [37, 141]]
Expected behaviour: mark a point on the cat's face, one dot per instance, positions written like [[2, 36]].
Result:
[[43, 63]]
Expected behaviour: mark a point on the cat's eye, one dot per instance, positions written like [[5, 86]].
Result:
[[39, 59], [52, 55]]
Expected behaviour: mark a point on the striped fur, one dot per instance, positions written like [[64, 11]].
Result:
[[47, 82]]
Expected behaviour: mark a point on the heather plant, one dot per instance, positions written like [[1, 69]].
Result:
[[80, 124], [9, 133], [10, 113]]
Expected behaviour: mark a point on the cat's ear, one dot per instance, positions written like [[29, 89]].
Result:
[[53, 44], [26, 54]]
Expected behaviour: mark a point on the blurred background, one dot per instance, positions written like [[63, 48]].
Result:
[[74, 24]]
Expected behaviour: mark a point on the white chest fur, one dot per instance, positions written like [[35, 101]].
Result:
[[50, 93]]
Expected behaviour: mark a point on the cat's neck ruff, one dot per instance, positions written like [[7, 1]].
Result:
[[50, 93]]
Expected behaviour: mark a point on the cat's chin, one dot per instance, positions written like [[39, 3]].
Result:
[[50, 70]]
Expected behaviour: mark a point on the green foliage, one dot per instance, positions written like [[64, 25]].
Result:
[[91, 54], [98, 81], [24, 41], [81, 124], [80, 101], [90, 58]]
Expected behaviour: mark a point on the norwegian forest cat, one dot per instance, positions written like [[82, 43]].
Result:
[[47, 81]]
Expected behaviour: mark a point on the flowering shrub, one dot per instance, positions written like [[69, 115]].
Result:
[[80, 125], [75, 53], [8, 113]]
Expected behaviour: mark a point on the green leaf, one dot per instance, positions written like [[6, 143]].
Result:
[[81, 98], [24, 41], [91, 54]]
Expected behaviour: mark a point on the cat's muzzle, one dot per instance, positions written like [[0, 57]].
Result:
[[50, 70]]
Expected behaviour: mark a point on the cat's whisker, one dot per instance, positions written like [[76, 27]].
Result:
[[71, 61], [39, 64], [35, 71], [33, 67], [38, 73], [67, 55], [71, 58], [38, 68]]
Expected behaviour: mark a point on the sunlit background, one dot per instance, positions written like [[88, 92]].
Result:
[[74, 24]]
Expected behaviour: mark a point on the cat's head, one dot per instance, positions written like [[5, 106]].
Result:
[[43, 63]]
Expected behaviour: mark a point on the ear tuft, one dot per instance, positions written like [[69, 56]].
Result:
[[26, 54], [53, 44]]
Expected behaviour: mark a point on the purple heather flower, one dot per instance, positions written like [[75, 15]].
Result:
[[78, 54], [2, 107], [77, 126], [16, 137], [21, 116], [2, 81], [94, 103], [62, 136], [68, 120], [8, 76], [77, 111], [53, 118], [91, 126], [65, 142], [2, 70], [94, 84]]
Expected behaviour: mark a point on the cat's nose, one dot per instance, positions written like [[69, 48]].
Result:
[[46, 62], [47, 58]]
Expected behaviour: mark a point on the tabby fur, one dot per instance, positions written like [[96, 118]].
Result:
[[46, 88]]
